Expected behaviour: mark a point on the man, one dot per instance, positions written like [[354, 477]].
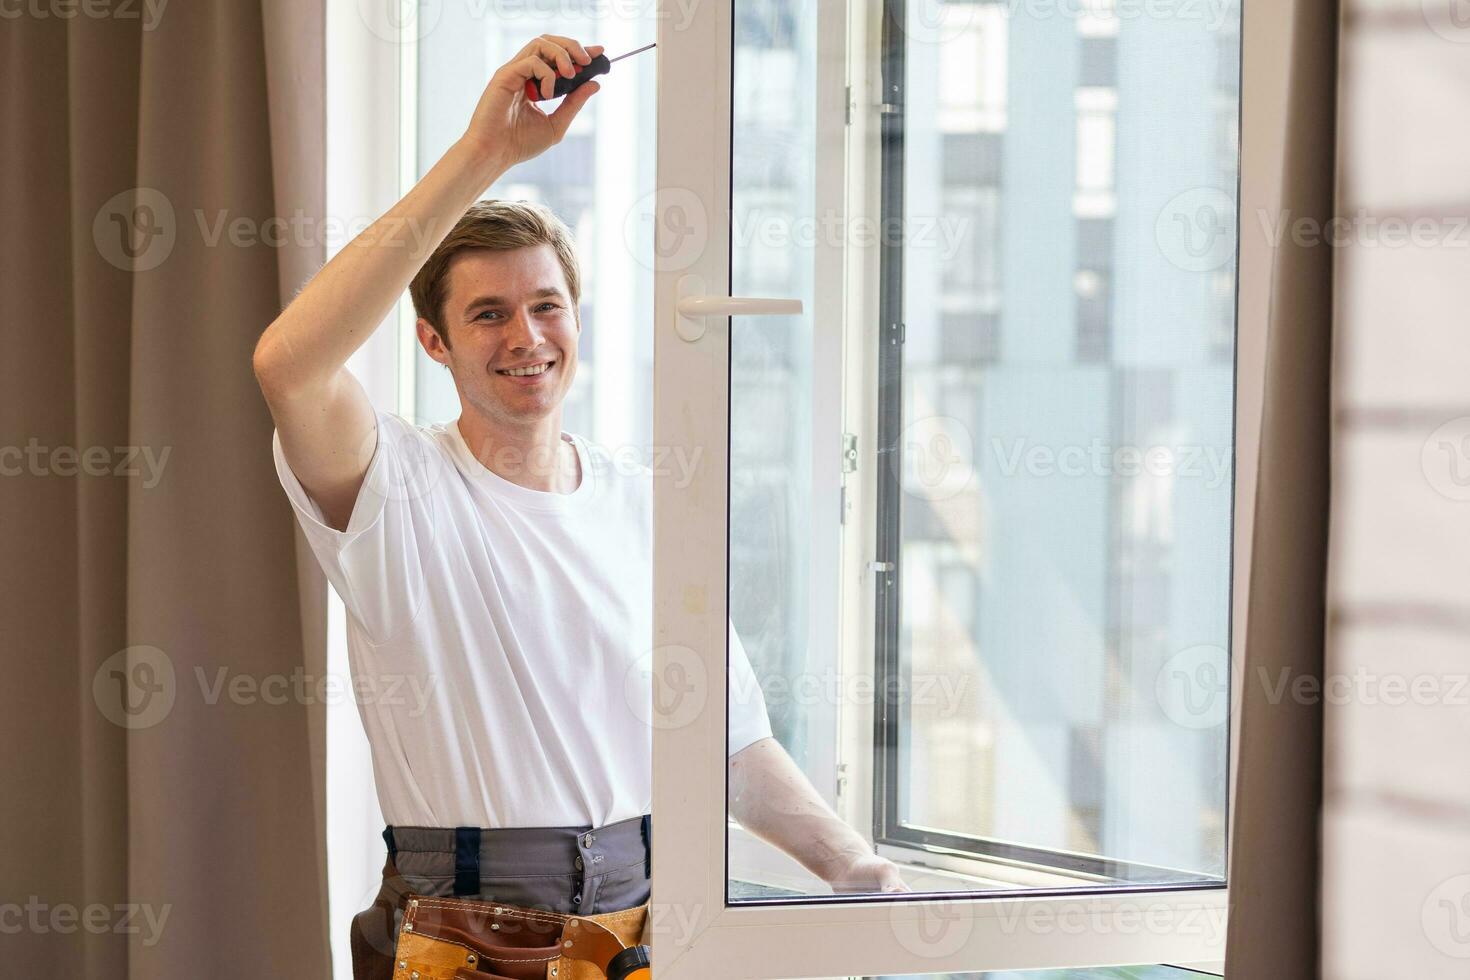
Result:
[[499, 559]]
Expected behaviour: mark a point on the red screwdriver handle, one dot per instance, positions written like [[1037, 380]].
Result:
[[598, 66]]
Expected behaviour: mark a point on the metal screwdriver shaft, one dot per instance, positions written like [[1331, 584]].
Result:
[[598, 66]]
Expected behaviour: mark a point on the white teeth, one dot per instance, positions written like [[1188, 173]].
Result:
[[523, 372]]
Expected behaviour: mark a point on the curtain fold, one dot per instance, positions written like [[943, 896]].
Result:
[[1276, 804], [164, 798]]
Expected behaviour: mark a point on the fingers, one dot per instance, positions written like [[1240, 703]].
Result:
[[573, 48], [561, 119], [534, 68], [565, 53]]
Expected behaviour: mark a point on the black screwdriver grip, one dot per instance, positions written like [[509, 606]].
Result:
[[598, 66]]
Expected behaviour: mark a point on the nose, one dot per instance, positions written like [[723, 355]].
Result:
[[522, 333]]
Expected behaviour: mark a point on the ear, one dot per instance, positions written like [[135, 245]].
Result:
[[431, 342]]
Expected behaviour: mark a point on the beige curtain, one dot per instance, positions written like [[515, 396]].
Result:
[[1288, 145], [162, 805]]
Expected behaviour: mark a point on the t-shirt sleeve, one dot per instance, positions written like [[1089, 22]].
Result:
[[375, 563], [749, 721]]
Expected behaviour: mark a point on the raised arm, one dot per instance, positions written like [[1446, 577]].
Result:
[[327, 426]]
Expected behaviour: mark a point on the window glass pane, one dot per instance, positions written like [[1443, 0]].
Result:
[[1091, 510], [1055, 449], [770, 356]]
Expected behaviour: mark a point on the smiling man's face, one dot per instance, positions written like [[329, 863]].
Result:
[[508, 310]]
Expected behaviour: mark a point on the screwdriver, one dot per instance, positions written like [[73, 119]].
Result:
[[598, 66]]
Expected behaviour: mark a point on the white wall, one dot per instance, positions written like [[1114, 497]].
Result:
[[1396, 887]]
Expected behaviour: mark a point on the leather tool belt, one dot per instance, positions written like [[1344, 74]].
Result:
[[465, 939]]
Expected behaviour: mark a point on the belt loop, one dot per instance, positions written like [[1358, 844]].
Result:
[[647, 846], [388, 839], [466, 860]]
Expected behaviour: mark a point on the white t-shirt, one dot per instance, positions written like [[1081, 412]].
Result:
[[500, 637]]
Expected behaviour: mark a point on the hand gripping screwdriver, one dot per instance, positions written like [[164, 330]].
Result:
[[598, 66]]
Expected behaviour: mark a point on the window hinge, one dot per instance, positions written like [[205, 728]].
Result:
[[896, 332], [847, 106]]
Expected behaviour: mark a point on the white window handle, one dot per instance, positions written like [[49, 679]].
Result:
[[694, 306]]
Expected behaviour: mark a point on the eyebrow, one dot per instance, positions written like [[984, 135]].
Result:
[[541, 293]]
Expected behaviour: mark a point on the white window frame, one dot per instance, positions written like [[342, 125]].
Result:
[[695, 934]]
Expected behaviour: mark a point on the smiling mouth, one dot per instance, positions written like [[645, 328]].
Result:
[[527, 372]]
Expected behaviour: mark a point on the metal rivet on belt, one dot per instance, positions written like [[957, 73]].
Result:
[[495, 925], [403, 964], [470, 959]]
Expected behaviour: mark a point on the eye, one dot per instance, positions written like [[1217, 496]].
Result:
[[485, 313], [548, 305]]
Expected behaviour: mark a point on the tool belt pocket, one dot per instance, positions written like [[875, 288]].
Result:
[[464, 939]]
